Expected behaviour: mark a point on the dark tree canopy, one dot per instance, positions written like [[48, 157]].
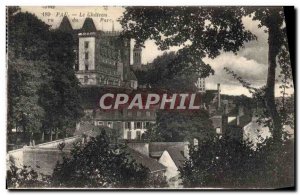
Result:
[[233, 164], [208, 31], [98, 164], [200, 31], [163, 74], [181, 126], [42, 86]]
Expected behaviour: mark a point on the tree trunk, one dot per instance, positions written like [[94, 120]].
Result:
[[50, 135], [43, 136], [56, 134], [270, 87]]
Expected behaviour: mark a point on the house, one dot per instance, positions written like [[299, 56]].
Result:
[[172, 155], [172, 158], [156, 169]]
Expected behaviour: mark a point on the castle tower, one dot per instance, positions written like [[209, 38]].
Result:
[[200, 84], [86, 52], [137, 57], [65, 25]]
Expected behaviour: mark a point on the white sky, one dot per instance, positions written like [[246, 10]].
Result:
[[250, 63]]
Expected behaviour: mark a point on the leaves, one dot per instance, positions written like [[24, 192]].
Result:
[[99, 164], [232, 164], [199, 31], [173, 125], [42, 86]]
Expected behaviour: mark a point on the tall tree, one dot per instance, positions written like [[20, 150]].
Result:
[[201, 31], [43, 91], [26, 63], [206, 31], [59, 94], [233, 164], [163, 74], [172, 125], [273, 19]]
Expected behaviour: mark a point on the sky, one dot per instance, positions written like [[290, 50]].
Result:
[[250, 63]]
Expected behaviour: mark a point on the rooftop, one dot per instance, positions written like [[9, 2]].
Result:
[[146, 161]]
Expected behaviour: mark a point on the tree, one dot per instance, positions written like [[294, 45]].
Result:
[[24, 177], [98, 164], [206, 31], [233, 164], [24, 112], [202, 31], [174, 125], [43, 91], [26, 64], [59, 94], [162, 74], [273, 19]]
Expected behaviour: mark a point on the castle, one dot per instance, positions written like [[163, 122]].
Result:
[[103, 60], [102, 57]]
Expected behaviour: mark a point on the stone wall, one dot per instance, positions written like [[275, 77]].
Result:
[[43, 160]]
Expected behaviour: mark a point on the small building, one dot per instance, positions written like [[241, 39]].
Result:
[[172, 158], [156, 169]]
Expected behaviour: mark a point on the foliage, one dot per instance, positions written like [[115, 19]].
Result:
[[23, 177], [24, 112], [205, 32], [233, 164], [59, 94], [42, 87], [163, 74], [175, 125], [97, 164], [200, 31], [26, 64], [272, 18]]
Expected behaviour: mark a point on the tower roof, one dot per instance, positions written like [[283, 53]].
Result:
[[137, 48], [65, 25], [88, 25]]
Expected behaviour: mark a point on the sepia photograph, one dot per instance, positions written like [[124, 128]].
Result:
[[150, 98]]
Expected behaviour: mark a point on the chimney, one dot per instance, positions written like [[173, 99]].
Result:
[[239, 114], [238, 120], [219, 96]]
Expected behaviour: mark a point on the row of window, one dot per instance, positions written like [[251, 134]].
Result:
[[128, 125], [139, 113]]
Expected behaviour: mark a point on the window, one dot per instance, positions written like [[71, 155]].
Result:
[[85, 79], [100, 123], [128, 134], [218, 130], [86, 66], [127, 125], [86, 55], [129, 113], [86, 44], [138, 125], [138, 135], [148, 113], [146, 124], [109, 124]]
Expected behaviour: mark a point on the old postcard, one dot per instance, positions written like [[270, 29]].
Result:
[[150, 97]]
